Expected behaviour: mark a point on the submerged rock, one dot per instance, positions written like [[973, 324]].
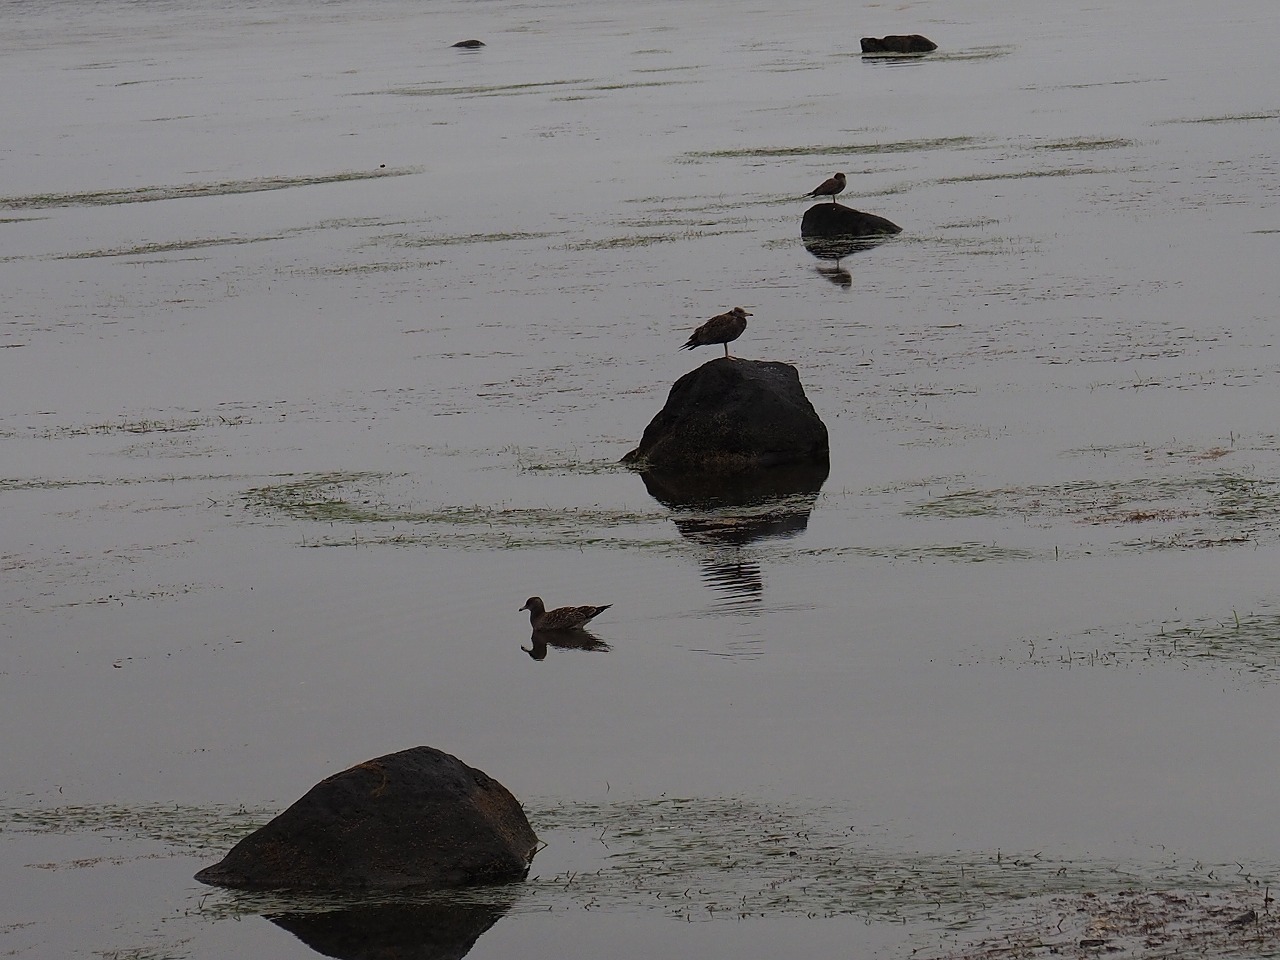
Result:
[[417, 818], [898, 43], [836, 220], [731, 415]]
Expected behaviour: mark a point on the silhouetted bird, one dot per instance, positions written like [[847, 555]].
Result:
[[561, 618], [721, 329], [829, 188]]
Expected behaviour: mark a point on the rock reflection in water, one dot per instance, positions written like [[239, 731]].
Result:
[[543, 640], [836, 249], [741, 581], [727, 514], [394, 931]]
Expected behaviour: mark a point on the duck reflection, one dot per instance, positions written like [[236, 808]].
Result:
[[394, 931], [544, 640], [838, 275], [725, 515]]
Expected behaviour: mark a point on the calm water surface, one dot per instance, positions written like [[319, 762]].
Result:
[[321, 340]]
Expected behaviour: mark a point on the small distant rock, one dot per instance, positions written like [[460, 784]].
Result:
[[731, 415], [469, 44], [417, 818], [909, 43], [837, 220]]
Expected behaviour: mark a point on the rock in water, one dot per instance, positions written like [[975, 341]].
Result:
[[899, 43], [417, 818], [731, 415], [837, 220]]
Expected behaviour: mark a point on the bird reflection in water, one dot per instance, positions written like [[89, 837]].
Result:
[[725, 515], [838, 275], [836, 249], [544, 640], [741, 581]]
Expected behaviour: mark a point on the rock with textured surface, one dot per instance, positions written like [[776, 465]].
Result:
[[731, 415], [898, 43], [417, 818], [837, 220]]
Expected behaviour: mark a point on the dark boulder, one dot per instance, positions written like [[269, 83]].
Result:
[[731, 415], [910, 43], [835, 220], [417, 818]]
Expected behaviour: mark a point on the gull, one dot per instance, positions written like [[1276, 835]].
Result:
[[829, 188], [561, 618], [721, 329]]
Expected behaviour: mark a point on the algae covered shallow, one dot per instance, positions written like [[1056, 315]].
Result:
[[701, 860]]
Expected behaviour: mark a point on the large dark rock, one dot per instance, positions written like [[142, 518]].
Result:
[[731, 415], [910, 43], [835, 220], [417, 818]]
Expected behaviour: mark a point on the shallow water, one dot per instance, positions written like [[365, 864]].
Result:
[[322, 340]]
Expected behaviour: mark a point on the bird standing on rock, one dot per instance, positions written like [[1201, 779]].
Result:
[[829, 188], [561, 618], [721, 329]]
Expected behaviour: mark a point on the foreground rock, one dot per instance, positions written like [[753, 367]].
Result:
[[731, 415], [908, 43], [837, 220], [417, 818]]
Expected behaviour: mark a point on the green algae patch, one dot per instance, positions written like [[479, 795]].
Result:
[[1025, 174], [144, 426], [705, 858], [379, 508], [222, 188], [450, 240], [159, 249], [732, 858], [1191, 511], [845, 149], [1085, 143], [1233, 117], [483, 90], [180, 827], [1244, 645], [965, 552], [973, 53], [645, 240]]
